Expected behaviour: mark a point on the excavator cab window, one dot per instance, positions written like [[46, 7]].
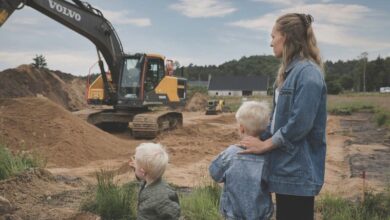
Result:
[[154, 73], [130, 81]]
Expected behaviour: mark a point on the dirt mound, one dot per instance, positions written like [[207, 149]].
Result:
[[40, 125], [197, 102], [194, 142], [28, 81], [37, 194]]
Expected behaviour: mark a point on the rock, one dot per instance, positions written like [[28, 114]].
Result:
[[10, 217], [5, 206]]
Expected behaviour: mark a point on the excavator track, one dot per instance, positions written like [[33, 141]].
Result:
[[149, 125]]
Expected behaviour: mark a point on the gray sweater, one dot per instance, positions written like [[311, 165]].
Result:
[[158, 201]]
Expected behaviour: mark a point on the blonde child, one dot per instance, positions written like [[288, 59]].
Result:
[[244, 196], [156, 200]]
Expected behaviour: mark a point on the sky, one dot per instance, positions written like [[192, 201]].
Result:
[[198, 32]]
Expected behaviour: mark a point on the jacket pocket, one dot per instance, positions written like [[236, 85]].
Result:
[[285, 101]]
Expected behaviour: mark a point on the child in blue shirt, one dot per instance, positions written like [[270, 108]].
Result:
[[244, 195]]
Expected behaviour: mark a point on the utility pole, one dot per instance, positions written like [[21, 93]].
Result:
[[364, 57]]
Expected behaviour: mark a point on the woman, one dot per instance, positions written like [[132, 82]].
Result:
[[296, 158]]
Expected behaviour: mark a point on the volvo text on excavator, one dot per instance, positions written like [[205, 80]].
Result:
[[136, 83]]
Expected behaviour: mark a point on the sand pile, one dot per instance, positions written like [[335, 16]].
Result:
[[28, 81], [198, 102], [38, 124]]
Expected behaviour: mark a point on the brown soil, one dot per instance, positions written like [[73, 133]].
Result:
[[27, 81], [198, 102], [75, 150], [39, 125]]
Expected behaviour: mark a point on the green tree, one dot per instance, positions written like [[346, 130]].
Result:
[[39, 61], [346, 82]]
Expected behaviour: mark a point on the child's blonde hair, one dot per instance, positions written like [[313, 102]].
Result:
[[253, 116], [152, 158]]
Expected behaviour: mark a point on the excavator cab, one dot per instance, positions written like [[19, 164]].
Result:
[[144, 82], [130, 82]]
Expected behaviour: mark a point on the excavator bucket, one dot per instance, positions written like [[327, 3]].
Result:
[[7, 7]]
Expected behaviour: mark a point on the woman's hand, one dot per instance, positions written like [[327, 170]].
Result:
[[254, 145]]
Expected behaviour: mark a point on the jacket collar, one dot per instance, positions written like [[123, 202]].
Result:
[[292, 64]]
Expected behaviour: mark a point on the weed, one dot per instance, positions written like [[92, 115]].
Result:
[[376, 206], [112, 201], [202, 203], [11, 165]]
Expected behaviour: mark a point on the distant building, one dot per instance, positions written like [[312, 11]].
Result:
[[198, 83], [238, 85], [384, 90]]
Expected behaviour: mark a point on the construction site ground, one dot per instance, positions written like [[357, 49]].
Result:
[[76, 150]]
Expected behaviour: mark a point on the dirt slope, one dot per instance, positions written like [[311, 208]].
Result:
[[197, 102], [41, 125], [37, 194], [27, 81]]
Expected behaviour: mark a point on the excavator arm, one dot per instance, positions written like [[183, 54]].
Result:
[[83, 19]]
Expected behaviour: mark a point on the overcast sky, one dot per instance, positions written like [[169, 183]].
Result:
[[202, 32]]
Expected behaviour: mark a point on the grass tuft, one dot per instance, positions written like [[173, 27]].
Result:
[[110, 200], [202, 203], [11, 165], [376, 206]]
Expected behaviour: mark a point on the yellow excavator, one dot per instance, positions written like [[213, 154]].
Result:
[[136, 83]]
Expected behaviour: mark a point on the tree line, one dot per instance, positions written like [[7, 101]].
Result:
[[357, 75]]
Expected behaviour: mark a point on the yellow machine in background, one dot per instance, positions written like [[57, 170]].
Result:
[[215, 107]]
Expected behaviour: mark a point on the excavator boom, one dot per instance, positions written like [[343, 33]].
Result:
[[6, 9], [134, 83], [83, 19]]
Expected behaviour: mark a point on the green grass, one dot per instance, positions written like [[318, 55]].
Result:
[[376, 206], [349, 108], [111, 201], [202, 203], [382, 117], [376, 103], [11, 164]]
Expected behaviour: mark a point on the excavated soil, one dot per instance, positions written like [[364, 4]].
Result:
[[28, 81], [40, 125], [76, 150]]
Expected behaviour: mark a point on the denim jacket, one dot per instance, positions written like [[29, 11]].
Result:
[[244, 196], [297, 165]]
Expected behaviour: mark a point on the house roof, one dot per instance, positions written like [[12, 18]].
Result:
[[249, 83]]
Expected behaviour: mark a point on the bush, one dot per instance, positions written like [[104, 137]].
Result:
[[334, 87], [202, 203], [39, 61], [375, 206], [112, 201], [382, 118], [11, 165]]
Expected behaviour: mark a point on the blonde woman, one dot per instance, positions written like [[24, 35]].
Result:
[[296, 136]]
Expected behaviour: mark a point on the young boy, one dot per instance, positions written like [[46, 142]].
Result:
[[156, 200], [244, 196]]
